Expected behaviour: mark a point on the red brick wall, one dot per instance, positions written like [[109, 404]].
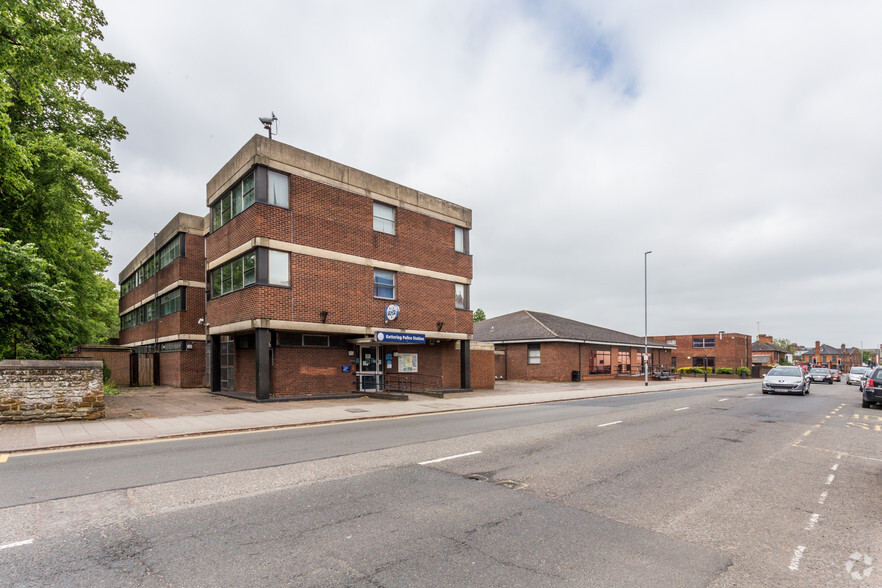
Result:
[[117, 359], [307, 371], [731, 351], [483, 369]]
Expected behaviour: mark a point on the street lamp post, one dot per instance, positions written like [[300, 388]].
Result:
[[645, 324]]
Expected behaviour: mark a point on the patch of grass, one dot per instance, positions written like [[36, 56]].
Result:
[[110, 388]]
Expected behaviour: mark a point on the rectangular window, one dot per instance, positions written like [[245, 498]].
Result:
[[462, 295], [534, 354], [233, 275], [624, 362], [239, 198], [460, 239], [703, 342], [384, 284], [277, 189], [599, 361], [316, 341], [384, 218], [170, 252], [170, 302], [279, 268]]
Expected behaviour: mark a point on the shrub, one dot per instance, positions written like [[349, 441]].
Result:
[[743, 370], [110, 389], [105, 371], [728, 371], [690, 370]]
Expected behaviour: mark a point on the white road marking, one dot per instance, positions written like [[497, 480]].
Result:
[[448, 457], [684, 408], [835, 467], [830, 479], [797, 555], [813, 520], [823, 497], [608, 424], [16, 544], [722, 400]]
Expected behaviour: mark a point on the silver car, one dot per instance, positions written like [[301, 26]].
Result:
[[786, 379], [854, 374]]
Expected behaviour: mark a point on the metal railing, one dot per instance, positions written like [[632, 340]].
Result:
[[412, 383]]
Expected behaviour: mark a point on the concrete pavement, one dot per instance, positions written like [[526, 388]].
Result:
[[140, 414]]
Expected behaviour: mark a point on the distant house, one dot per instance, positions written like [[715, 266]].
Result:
[[539, 346], [766, 352], [842, 357], [714, 350]]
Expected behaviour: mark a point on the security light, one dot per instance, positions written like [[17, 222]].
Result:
[[268, 122]]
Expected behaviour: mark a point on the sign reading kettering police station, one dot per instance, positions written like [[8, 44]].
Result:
[[386, 337]]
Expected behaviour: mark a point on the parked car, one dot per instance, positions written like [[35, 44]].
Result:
[[872, 390], [786, 379], [854, 374], [864, 377], [820, 375], [835, 373]]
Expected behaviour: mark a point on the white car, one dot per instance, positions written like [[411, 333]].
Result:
[[854, 374], [786, 379]]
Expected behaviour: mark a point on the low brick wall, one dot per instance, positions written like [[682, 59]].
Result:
[[46, 391]]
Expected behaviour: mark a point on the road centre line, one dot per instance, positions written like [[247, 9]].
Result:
[[684, 408], [813, 520], [835, 467], [722, 400], [440, 459], [612, 423], [823, 497], [797, 555], [830, 479], [16, 544]]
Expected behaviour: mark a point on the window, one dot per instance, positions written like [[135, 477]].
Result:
[[171, 302], [460, 239], [143, 314], [703, 343], [624, 362], [234, 275], [170, 252], [699, 362], [277, 189], [316, 341], [534, 354], [279, 269], [671, 342], [384, 284], [599, 361], [462, 295], [384, 218], [240, 197]]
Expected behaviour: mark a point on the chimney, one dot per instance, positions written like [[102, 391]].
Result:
[[764, 338], [818, 348]]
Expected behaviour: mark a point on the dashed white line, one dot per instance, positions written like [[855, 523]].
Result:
[[813, 520], [684, 408], [835, 467], [612, 423], [448, 457], [797, 555], [722, 400], [830, 479], [16, 544], [823, 497]]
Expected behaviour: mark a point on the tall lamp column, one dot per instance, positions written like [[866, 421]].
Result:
[[645, 324]]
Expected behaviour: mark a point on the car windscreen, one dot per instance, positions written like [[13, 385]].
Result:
[[857, 370], [785, 371], [819, 371]]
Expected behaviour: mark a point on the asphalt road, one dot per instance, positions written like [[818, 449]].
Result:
[[719, 487]]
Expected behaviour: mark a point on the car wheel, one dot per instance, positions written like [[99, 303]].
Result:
[[865, 404], [765, 391], [830, 382]]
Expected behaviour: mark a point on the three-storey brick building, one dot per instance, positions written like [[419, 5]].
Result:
[[324, 279], [162, 299]]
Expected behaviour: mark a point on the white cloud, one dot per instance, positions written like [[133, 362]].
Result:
[[737, 140]]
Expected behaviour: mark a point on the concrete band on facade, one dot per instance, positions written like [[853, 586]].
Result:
[[291, 160], [181, 223]]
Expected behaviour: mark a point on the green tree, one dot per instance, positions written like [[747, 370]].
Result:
[[785, 343], [31, 304], [55, 160], [479, 316]]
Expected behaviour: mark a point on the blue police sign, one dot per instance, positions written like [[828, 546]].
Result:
[[386, 337]]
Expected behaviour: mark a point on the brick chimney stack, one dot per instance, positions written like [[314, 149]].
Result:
[[764, 338]]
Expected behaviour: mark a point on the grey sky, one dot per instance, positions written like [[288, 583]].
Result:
[[736, 140]]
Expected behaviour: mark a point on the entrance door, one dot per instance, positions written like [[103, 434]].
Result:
[[370, 368]]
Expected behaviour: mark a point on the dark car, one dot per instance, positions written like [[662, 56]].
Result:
[[872, 390], [786, 379], [820, 375]]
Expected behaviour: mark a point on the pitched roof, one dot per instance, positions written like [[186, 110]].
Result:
[[527, 325], [762, 346]]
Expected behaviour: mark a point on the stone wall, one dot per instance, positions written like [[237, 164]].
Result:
[[50, 391]]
